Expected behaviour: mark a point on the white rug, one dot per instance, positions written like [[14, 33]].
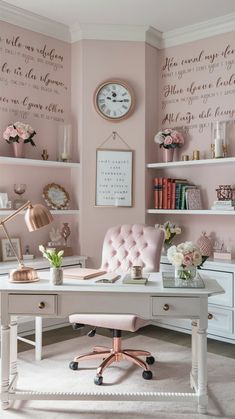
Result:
[[171, 372]]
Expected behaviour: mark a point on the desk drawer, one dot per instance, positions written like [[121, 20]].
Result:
[[175, 306], [225, 279], [32, 304], [221, 321]]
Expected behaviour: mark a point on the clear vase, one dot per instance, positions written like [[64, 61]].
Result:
[[56, 276], [65, 143], [186, 273]]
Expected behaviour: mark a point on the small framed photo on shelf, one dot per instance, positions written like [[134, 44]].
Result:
[[114, 178], [7, 252]]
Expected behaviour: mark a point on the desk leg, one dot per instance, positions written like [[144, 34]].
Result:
[[202, 370], [38, 338], [194, 370], [5, 363], [13, 351]]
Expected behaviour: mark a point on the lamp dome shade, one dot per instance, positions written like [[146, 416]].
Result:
[[37, 216]]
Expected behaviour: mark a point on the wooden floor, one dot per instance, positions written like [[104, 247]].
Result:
[[65, 333]]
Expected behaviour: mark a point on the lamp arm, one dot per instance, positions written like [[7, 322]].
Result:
[[26, 205], [12, 247]]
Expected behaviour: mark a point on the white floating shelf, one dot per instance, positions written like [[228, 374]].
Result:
[[189, 212], [225, 160], [38, 163], [4, 213]]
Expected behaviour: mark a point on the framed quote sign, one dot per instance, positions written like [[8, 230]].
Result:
[[114, 178]]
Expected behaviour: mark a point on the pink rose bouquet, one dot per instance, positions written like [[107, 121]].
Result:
[[185, 256], [169, 138], [19, 131]]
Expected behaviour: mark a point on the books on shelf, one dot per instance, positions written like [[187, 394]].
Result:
[[172, 194], [223, 205]]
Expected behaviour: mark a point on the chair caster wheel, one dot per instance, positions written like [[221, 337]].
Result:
[[98, 380], [73, 365], [150, 360], [147, 375]]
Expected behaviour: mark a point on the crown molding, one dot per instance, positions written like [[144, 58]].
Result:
[[199, 31], [103, 32], [33, 22], [150, 35]]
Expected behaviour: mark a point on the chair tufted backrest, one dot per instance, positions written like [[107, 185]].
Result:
[[132, 244]]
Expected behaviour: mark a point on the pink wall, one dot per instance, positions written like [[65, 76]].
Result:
[[102, 60], [35, 69], [207, 67], [90, 63]]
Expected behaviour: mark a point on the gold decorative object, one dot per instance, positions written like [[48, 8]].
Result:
[[36, 217], [196, 155], [185, 157], [44, 154], [56, 196]]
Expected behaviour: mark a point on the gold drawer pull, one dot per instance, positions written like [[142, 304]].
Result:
[[41, 305], [166, 307], [210, 316]]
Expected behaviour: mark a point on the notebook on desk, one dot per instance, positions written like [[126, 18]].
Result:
[[82, 273]]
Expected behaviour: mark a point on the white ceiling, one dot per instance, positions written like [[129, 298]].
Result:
[[163, 15]]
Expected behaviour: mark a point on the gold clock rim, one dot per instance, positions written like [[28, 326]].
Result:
[[123, 84]]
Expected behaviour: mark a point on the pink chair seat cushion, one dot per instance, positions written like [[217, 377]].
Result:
[[111, 321]]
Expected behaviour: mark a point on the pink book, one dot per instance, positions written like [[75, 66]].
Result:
[[193, 199], [82, 273]]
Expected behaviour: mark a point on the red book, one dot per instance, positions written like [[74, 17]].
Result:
[[160, 202], [164, 193], [156, 192]]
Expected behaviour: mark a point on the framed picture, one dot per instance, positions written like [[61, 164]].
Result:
[[56, 196], [7, 252], [114, 172]]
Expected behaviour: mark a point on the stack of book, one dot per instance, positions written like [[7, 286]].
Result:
[[174, 194], [223, 205]]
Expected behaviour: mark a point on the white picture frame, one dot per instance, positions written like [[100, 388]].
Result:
[[7, 253], [114, 173]]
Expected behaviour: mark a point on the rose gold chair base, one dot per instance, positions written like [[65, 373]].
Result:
[[115, 354]]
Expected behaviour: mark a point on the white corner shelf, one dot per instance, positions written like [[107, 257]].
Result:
[[4, 213], [207, 162], [189, 212], [38, 163]]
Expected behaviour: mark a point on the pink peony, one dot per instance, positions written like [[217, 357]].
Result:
[[188, 259], [168, 140]]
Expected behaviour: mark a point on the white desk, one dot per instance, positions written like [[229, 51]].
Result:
[[150, 302]]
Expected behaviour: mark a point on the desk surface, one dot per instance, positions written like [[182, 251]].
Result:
[[154, 286]]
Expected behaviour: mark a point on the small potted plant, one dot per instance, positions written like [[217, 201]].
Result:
[[186, 258], [55, 258], [19, 134], [169, 139]]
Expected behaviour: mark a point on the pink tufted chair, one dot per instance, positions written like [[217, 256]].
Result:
[[124, 246]]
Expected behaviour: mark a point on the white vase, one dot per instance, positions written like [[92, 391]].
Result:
[[56, 276]]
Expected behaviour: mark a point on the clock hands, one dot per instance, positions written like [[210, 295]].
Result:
[[116, 100]]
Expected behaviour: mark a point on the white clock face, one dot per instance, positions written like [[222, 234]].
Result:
[[113, 100]]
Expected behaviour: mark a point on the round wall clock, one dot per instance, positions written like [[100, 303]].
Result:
[[114, 100]]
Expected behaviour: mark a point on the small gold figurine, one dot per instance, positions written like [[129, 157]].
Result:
[[44, 154]]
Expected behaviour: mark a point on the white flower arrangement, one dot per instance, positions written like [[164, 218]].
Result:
[[170, 230], [184, 255], [55, 257], [169, 138]]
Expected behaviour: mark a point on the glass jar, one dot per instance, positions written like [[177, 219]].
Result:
[[65, 143], [186, 273]]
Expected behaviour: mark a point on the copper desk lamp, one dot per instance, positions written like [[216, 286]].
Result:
[[36, 216]]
